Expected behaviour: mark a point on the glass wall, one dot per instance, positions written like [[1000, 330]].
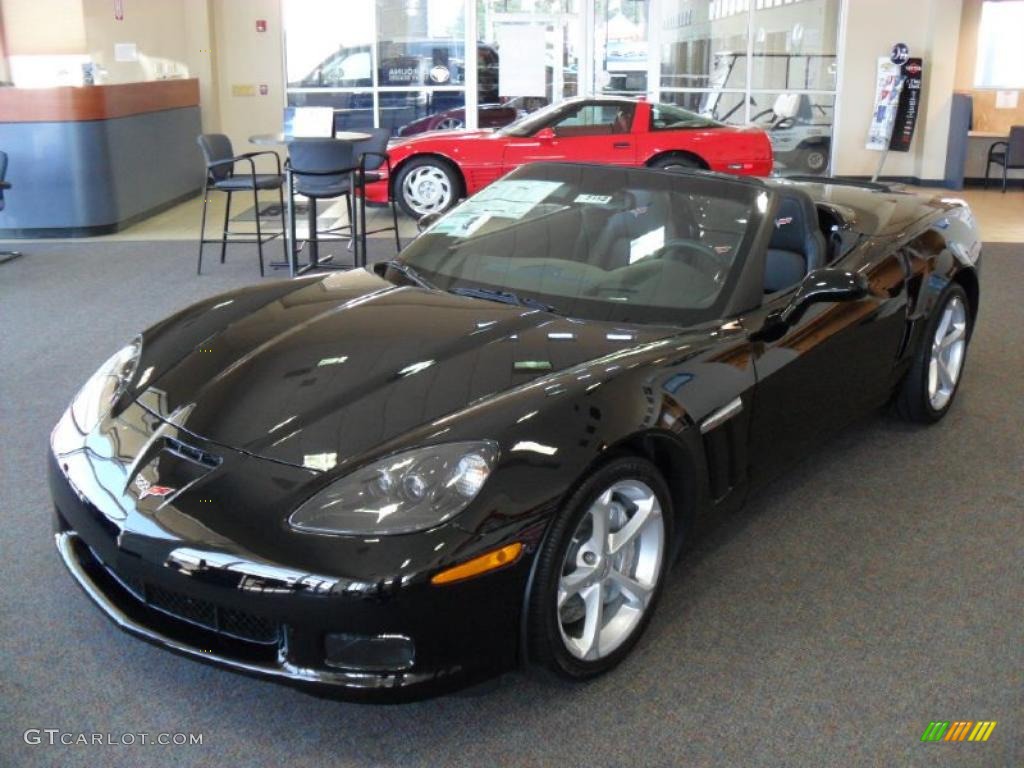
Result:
[[769, 62], [410, 65]]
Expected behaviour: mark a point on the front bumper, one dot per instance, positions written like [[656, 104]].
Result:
[[257, 618]]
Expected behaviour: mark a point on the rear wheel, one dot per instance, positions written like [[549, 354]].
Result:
[[600, 571], [427, 185], [814, 159], [928, 391], [677, 163]]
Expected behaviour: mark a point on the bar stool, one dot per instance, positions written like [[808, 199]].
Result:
[[220, 174], [371, 155], [321, 169]]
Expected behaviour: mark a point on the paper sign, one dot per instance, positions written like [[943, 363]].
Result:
[[1007, 99], [126, 52], [521, 66], [887, 88]]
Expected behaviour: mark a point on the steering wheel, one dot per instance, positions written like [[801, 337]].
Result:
[[707, 261]]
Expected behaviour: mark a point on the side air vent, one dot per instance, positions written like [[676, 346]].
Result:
[[192, 453]]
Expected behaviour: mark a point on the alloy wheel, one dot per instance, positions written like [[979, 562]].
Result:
[[427, 189], [449, 124], [611, 570], [947, 356]]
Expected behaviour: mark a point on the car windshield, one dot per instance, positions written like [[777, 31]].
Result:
[[592, 242], [668, 117]]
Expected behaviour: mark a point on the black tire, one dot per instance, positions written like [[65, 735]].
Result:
[[913, 402], [440, 169], [546, 651], [674, 162], [814, 159]]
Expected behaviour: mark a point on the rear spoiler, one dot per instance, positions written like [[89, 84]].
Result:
[[874, 186]]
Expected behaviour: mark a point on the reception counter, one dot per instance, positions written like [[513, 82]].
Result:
[[93, 160]]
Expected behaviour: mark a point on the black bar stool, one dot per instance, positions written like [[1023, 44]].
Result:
[[320, 169], [371, 155], [220, 174]]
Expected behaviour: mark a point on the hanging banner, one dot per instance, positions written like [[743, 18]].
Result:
[[908, 107], [887, 93]]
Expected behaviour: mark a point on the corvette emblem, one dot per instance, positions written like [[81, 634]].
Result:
[[146, 488], [783, 221]]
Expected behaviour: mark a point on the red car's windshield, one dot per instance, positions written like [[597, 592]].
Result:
[[596, 243]]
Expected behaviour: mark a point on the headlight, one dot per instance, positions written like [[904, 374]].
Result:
[[98, 395], [407, 492]]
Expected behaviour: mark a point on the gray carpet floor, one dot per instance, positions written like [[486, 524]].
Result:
[[877, 587]]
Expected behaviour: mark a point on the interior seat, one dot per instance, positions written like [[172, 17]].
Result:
[[642, 212], [797, 246]]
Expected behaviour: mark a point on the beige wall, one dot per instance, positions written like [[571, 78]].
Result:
[[245, 57], [967, 53], [931, 29], [52, 27], [156, 27]]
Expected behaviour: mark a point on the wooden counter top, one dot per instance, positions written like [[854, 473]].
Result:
[[95, 102]]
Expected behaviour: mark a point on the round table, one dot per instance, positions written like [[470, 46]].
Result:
[[280, 139]]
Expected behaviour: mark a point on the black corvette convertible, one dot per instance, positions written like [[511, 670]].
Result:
[[392, 482]]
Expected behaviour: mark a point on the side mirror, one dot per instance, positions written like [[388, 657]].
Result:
[[426, 221], [545, 134], [828, 284]]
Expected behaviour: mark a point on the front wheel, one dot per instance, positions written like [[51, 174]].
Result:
[[427, 185], [600, 571], [931, 384], [677, 163]]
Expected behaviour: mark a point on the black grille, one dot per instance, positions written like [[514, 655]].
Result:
[[227, 621]]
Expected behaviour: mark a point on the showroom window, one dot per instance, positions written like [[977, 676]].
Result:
[[1000, 62], [399, 64], [769, 62], [421, 65]]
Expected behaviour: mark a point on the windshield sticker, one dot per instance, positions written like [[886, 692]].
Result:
[[647, 244], [510, 199], [460, 223], [593, 199]]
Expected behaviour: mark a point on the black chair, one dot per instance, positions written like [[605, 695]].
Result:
[[321, 169], [372, 154], [4, 184], [220, 174], [1011, 157]]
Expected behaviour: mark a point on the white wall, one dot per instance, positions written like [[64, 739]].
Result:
[[932, 30]]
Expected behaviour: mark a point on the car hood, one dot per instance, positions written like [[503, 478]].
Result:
[[343, 364]]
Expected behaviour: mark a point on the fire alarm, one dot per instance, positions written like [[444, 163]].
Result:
[[261, 25]]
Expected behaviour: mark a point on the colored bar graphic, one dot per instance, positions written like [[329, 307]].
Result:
[[958, 730]]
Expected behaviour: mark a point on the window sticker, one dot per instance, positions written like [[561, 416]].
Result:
[[647, 244], [593, 199], [460, 223]]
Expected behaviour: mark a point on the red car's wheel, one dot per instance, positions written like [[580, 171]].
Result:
[[427, 185]]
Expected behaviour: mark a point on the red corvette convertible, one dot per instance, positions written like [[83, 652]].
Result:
[[430, 172]]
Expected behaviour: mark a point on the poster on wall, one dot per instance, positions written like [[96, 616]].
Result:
[[521, 66], [908, 107], [887, 92], [897, 103]]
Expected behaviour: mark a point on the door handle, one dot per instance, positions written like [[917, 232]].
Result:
[[621, 145]]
